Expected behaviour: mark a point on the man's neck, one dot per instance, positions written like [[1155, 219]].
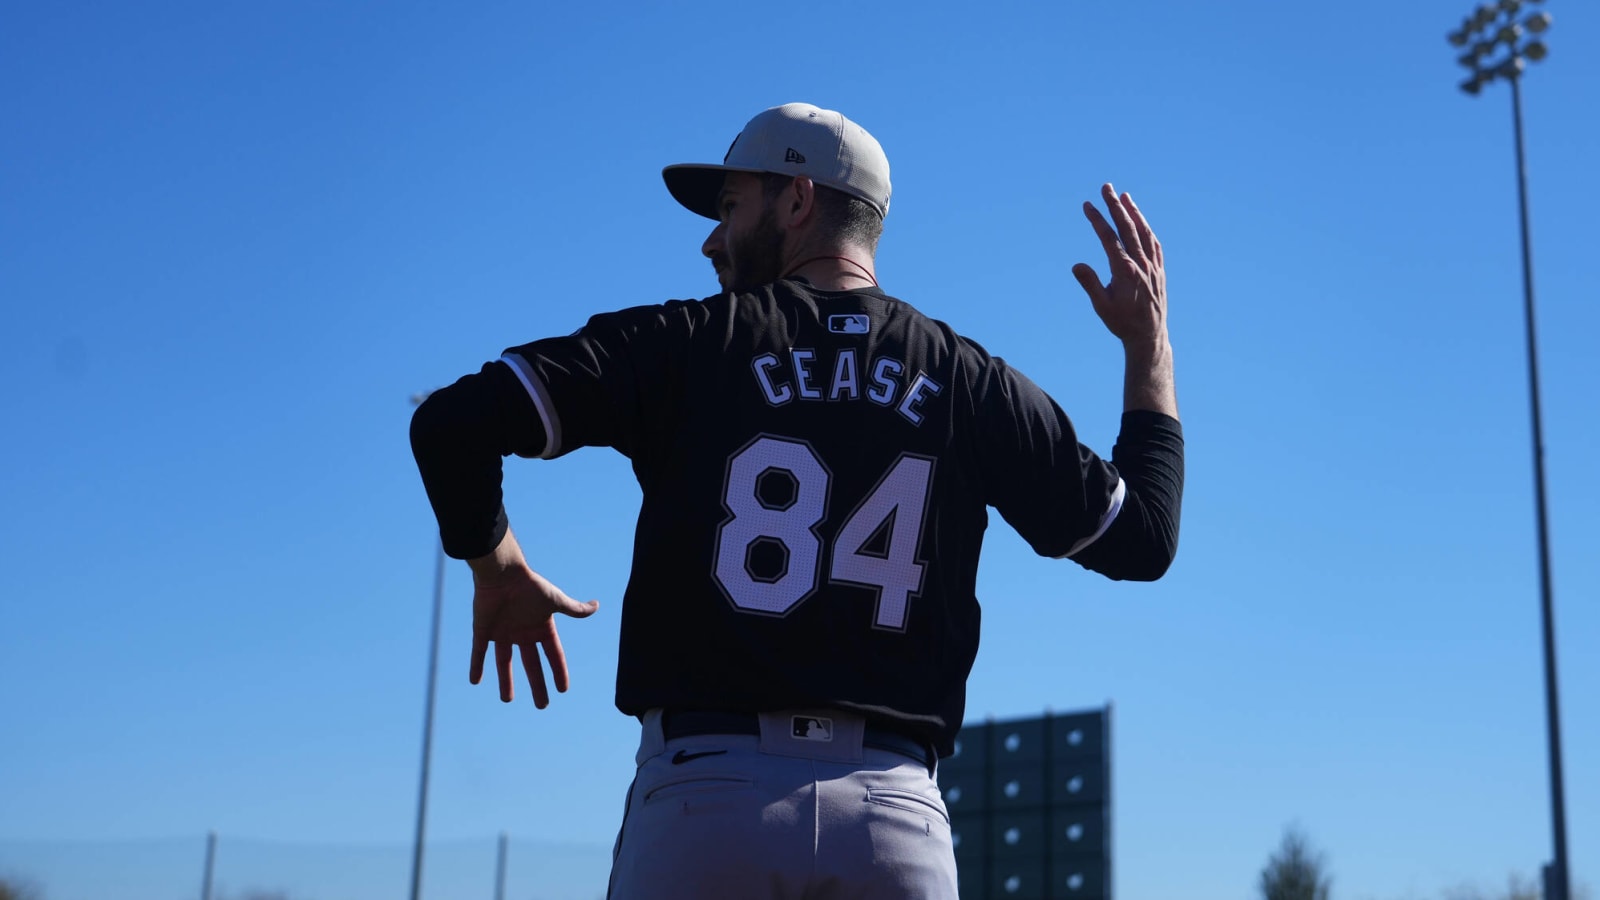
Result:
[[835, 269]]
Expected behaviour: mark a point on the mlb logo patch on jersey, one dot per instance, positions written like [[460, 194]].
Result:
[[812, 728], [851, 323]]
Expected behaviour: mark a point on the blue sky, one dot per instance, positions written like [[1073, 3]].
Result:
[[238, 237]]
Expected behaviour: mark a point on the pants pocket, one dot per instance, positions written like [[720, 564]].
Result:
[[688, 787], [910, 801]]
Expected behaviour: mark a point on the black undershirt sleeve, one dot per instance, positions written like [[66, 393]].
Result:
[[1140, 543], [459, 436]]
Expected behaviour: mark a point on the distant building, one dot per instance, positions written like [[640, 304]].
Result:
[[1030, 807]]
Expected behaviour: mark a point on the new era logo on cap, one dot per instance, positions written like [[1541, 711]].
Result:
[[792, 155]]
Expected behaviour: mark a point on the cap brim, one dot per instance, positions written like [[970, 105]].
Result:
[[696, 186]]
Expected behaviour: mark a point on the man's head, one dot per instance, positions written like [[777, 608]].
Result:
[[797, 181]]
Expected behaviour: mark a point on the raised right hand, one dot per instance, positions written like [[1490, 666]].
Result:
[[1133, 305]]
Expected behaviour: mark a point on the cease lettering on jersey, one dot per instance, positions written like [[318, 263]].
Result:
[[921, 389], [844, 376], [885, 378], [776, 395], [883, 394], [802, 373]]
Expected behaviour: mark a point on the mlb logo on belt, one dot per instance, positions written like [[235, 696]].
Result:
[[853, 323], [812, 728]]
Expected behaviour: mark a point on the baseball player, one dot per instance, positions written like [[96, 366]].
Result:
[[817, 459]]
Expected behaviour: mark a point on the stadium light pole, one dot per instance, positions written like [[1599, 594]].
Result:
[[427, 709], [1497, 48]]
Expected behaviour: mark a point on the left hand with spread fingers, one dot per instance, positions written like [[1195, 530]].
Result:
[[514, 607]]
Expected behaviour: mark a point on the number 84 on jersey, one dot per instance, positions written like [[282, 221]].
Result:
[[888, 519]]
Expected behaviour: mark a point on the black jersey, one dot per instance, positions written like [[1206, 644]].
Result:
[[816, 468]]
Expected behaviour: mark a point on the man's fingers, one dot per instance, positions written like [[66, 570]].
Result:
[[1147, 237], [480, 647], [561, 603], [1125, 228], [502, 669], [1103, 229], [535, 673], [557, 658], [1116, 255], [570, 607], [517, 618]]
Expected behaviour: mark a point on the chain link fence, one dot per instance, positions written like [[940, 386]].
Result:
[[253, 869]]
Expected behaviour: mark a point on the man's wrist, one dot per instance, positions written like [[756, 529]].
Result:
[[505, 556], [1147, 379], [1153, 351]]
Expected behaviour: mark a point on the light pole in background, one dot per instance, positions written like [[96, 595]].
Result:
[[427, 714], [1497, 48], [211, 866], [500, 870]]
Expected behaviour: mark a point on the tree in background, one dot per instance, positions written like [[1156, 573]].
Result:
[[17, 889], [1295, 871]]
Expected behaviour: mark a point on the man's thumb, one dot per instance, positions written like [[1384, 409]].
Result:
[[1090, 282], [568, 606]]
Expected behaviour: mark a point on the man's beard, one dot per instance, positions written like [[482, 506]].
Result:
[[757, 258]]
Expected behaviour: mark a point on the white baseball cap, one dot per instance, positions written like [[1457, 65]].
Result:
[[793, 139]]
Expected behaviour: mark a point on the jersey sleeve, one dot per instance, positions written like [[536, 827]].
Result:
[[1058, 494], [609, 383]]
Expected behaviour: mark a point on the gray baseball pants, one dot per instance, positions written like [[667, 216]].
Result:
[[804, 811]]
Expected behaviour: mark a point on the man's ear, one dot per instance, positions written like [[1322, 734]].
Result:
[[802, 203]]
